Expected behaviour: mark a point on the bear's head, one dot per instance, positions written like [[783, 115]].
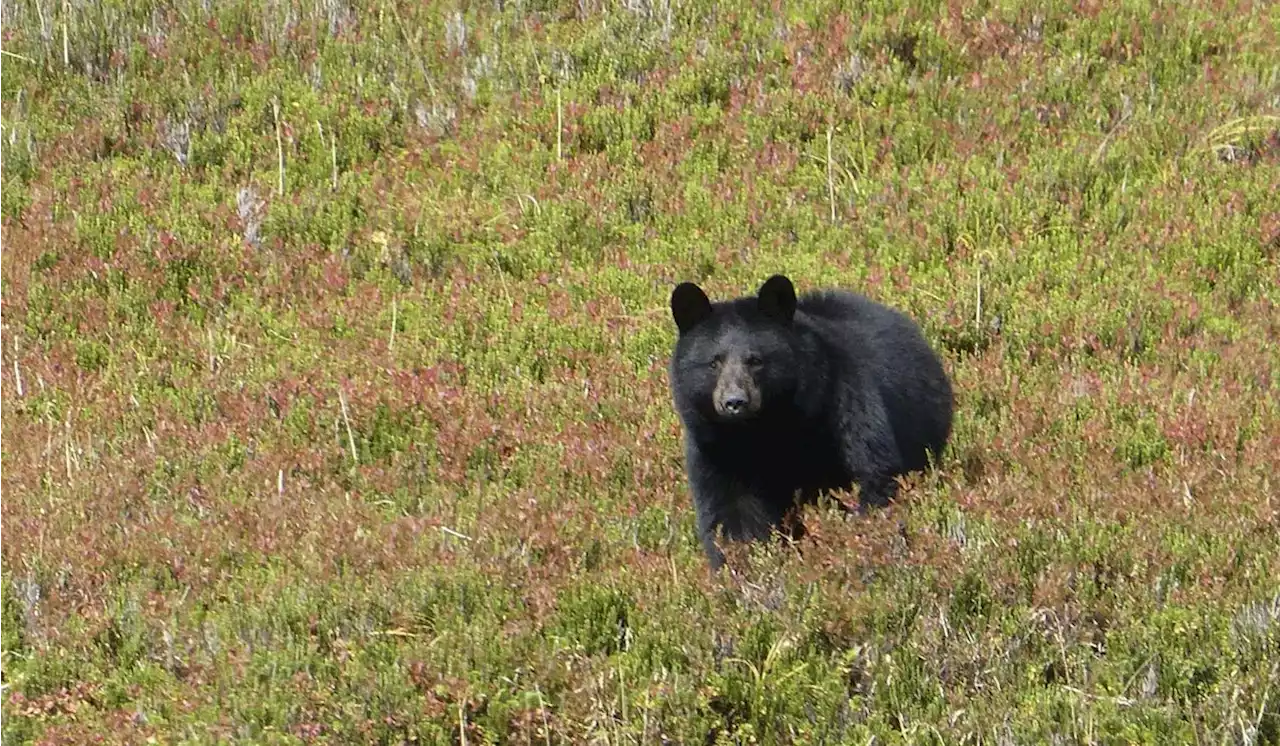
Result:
[[734, 359]]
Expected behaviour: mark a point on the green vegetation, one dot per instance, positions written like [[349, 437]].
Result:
[[334, 394]]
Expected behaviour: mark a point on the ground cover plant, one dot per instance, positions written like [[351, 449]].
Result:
[[335, 336]]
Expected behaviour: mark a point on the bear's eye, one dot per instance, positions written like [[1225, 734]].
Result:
[[754, 361], [715, 363]]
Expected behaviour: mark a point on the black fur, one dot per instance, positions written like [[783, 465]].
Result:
[[783, 398]]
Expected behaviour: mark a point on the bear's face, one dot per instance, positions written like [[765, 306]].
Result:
[[733, 360]]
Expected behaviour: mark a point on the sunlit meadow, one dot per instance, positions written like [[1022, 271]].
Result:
[[335, 406]]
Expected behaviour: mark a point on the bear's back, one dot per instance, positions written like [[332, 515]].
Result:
[[844, 305], [877, 345]]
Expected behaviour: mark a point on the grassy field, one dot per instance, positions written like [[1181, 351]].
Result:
[[335, 405]]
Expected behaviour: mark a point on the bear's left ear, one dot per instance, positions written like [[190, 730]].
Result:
[[689, 306], [777, 298]]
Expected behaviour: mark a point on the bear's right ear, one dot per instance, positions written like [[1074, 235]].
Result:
[[689, 306]]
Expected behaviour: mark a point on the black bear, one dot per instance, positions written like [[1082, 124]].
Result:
[[782, 398]]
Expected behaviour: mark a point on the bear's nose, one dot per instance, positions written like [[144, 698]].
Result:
[[735, 403]]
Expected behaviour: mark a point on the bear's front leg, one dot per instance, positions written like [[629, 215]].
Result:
[[725, 505]]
